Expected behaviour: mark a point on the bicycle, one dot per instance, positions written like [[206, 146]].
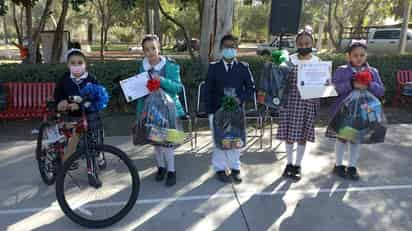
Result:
[[50, 143], [83, 186]]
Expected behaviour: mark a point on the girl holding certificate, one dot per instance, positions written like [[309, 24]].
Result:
[[297, 116], [356, 75], [166, 71]]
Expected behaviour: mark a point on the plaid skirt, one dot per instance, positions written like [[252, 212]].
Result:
[[297, 116]]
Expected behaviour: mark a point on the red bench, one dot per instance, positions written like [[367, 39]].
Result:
[[27, 100], [402, 77]]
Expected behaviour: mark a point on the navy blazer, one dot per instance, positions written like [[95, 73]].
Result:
[[239, 78], [66, 87]]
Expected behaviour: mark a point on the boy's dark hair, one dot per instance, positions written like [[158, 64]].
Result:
[[228, 37], [304, 33], [150, 37], [77, 52], [353, 45]]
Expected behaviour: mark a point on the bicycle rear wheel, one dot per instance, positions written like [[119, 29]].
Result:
[[98, 206]]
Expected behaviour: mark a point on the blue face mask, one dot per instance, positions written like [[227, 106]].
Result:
[[229, 53]]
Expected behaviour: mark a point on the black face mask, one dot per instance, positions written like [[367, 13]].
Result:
[[304, 51]]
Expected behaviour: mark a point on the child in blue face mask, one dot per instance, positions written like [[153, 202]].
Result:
[[227, 73]]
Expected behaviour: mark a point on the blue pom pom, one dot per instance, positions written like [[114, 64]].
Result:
[[97, 94]]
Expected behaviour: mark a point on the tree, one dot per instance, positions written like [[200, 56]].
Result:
[[406, 16], [217, 20]]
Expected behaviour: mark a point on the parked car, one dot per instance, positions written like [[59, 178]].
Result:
[[288, 43], [180, 45], [383, 41]]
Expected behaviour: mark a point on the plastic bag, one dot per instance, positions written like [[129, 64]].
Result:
[[229, 123], [360, 119], [158, 122], [273, 86]]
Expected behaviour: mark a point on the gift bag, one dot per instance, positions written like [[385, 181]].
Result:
[[158, 122], [229, 123], [360, 119], [273, 83]]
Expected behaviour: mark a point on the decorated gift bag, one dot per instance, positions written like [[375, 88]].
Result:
[[229, 123], [360, 119], [274, 81], [158, 123]]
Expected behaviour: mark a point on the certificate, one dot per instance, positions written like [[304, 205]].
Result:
[[315, 80], [135, 86]]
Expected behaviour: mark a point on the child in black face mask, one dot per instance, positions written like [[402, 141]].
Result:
[[297, 116]]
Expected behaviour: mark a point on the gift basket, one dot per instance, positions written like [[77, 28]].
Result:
[[158, 123], [360, 119], [229, 123], [274, 81]]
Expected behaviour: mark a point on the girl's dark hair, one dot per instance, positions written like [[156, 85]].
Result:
[[228, 37], [150, 37], [75, 45], [304, 33], [353, 46]]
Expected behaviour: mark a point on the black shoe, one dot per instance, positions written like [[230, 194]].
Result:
[[94, 181], [340, 171], [161, 173], [288, 171], [171, 179], [221, 175], [236, 176], [296, 173], [352, 174]]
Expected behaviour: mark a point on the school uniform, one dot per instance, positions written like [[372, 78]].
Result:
[[342, 80], [221, 75], [297, 116], [169, 72]]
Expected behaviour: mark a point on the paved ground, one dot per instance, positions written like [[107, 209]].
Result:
[[382, 200]]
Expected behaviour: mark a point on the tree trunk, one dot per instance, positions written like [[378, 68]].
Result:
[[102, 39], [16, 25], [21, 22], [320, 35], [223, 23], [40, 27], [361, 17], [90, 33], [147, 18], [58, 35], [6, 32], [156, 21], [404, 33], [30, 45], [207, 32], [182, 27]]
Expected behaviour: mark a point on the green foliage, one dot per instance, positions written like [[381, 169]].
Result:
[[253, 21], [124, 34], [109, 73]]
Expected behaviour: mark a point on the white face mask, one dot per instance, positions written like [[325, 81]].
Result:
[[78, 70]]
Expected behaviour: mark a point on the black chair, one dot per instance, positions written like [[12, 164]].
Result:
[[252, 113], [186, 117], [271, 116], [200, 113]]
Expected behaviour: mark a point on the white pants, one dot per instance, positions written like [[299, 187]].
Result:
[[165, 156], [222, 159]]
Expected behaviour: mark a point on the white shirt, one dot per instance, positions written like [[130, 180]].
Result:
[[158, 67], [226, 64], [79, 79], [296, 61]]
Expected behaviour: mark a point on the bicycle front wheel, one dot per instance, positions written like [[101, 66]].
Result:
[[97, 205]]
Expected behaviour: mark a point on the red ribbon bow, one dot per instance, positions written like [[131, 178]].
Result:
[[363, 77], [153, 85]]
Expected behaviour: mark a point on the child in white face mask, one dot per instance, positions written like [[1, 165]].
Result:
[[79, 82]]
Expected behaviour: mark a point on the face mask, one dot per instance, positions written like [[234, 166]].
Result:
[[78, 70], [304, 51], [229, 53]]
